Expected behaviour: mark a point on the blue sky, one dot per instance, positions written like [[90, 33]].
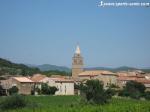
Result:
[[47, 31]]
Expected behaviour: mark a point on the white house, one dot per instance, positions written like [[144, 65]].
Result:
[[65, 86]]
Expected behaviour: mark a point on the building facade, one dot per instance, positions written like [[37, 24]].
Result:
[[106, 77], [64, 86]]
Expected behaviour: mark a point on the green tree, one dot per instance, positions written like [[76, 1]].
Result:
[[13, 90], [147, 95], [94, 92], [133, 89], [48, 90]]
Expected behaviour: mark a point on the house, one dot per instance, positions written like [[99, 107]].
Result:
[[122, 80], [65, 86], [6, 85], [37, 77], [106, 76], [24, 84]]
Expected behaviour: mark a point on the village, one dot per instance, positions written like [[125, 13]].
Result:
[[66, 84]]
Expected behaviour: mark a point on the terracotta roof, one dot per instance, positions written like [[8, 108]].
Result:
[[143, 80], [57, 76], [95, 73], [62, 80], [37, 77], [128, 78], [22, 79]]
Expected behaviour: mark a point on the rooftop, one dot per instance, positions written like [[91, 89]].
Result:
[[95, 73], [37, 77], [22, 79]]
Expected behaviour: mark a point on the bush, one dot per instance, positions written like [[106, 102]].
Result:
[[93, 92], [147, 95], [110, 92], [13, 90], [2, 91], [13, 102], [52, 90], [47, 90], [133, 90]]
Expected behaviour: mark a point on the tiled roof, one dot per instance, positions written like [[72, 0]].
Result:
[[37, 77], [143, 80], [128, 78], [22, 79], [95, 73], [62, 80]]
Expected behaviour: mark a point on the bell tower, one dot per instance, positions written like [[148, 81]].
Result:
[[77, 63]]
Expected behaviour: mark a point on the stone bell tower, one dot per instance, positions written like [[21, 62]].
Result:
[[77, 63]]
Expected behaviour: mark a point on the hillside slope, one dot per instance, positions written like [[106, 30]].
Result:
[[10, 68]]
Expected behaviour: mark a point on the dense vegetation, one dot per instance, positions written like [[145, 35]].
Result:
[[134, 90], [13, 90], [93, 92], [9, 68], [13, 102], [73, 104], [56, 72], [48, 90]]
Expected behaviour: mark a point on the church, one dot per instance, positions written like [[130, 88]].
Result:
[[80, 74]]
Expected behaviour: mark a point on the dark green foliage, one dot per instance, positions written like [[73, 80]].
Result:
[[56, 72], [13, 90], [147, 95], [94, 92], [13, 102], [47, 90], [133, 89], [2, 91], [110, 92], [53, 90], [133, 85], [9, 68]]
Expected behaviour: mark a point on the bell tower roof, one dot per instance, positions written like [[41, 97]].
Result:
[[78, 50]]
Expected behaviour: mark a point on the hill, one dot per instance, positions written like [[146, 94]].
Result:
[[122, 68], [9, 68], [47, 67]]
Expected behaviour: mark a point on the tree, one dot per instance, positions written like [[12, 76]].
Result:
[[94, 92], [133, 89], [52, 90], [147, 95], [13, 90], [2, 91], [13, 102], [48, 90]]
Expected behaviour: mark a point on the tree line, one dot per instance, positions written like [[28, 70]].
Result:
[[9, 68]]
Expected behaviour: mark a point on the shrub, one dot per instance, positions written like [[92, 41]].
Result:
[[147, 95], [94, 92], [47, 90], [110, 92], [13, 102], [52, 90], [2, 91], [13, 90], [133, 90]]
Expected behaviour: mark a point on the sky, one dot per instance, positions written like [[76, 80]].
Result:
[[47, 32]]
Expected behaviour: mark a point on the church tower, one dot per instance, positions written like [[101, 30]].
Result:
[[77, 63]]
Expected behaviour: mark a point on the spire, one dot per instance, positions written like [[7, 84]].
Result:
[[77, 50]]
